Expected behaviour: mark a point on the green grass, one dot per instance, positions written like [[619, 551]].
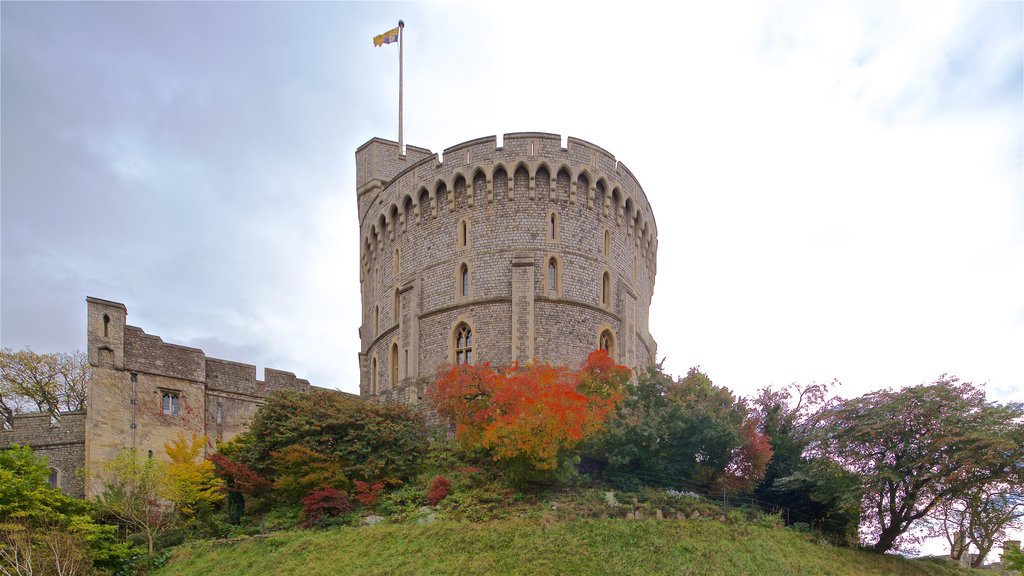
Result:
[[539, 547]]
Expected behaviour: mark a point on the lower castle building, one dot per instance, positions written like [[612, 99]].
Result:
[[518, 252], [143, 392]]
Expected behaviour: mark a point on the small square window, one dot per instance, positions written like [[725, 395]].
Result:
[[171, 403]]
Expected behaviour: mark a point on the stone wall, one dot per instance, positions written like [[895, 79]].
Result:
[[60, 439], [504, 213], [146, 393]]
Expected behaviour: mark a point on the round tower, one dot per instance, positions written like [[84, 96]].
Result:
[[522, 252]]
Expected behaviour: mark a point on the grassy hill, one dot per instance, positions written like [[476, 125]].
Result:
[[537, 547]]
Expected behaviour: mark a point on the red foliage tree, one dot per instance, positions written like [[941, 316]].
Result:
[[326, 502], [367, 493], [239, 477], [529, 413], [439, 488], [750, 459]]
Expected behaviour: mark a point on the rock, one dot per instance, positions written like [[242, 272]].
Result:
[[373, 520], [609, 499], [658, 514], [695, 515]]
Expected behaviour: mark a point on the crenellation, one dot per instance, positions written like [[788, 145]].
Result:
[[150, 354]]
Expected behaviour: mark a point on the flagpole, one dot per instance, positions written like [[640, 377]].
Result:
[[401, 46]]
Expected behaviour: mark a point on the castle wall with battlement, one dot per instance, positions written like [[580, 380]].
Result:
[[59, 438], [527, 251], [144, 393]]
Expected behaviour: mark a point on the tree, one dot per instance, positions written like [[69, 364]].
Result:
[[366, 440], [813, 490], [916, 447], [981, 517], [42, 382], [43, 530], [674, 432], [195, 487], [138, 492], [527, 417]]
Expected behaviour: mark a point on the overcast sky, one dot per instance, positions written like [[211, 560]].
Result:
[[838, 187]]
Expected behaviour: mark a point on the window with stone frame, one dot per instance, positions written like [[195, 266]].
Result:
[[607, 343], [170, 402], [463, 344]]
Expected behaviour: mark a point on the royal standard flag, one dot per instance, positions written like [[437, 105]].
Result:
[[386, 38]]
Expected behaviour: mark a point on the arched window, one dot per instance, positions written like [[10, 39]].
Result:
[[607, 243], [373, 377], [463, 344], [394, 365], [552, 275], [396, 263], [376, 320], [396, 307], [552, 226], [106, 325], [463, 233], [464, 280], [606, 289], [54, 479], [607, 343]]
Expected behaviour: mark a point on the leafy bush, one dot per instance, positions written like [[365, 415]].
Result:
[[365, 440], [325, 503], [439, 488], [367, 493]]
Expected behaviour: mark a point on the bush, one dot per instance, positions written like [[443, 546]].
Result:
[[325, 503], [439, 488], [364, 440]]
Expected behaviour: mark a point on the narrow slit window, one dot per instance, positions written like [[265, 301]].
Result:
[[394, 365], [552, 276], [106, 325], [606, 288], [373, 377], [220, 413], [464, 280]]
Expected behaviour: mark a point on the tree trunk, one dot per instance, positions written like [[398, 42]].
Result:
[[887, 539], [982, 552]]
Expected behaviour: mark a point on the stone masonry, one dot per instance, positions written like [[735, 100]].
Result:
[[522, 252]]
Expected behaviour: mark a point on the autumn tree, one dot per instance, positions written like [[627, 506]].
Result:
[[138, 492], [527, 417], [194, 486], [53, 383], [917, 447]]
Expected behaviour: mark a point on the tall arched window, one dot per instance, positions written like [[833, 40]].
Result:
[[552, 227], [463, 345], [606, 288], [373, 377], [552, 282], [106, 325], [607, 343], [394, 365], [463, 233], [464, 280], [376, 320], [396, 264], [607, 243], [396, 307]]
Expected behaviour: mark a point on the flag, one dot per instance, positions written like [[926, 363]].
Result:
[[386, 38]]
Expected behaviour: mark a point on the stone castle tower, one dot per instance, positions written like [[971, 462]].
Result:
[[519, 252]]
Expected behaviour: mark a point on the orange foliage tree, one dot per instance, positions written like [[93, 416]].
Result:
[[529, 414]]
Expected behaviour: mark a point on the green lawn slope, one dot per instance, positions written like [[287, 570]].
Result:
[[539, 547]]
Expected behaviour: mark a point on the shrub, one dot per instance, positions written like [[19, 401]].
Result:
[[367, 493], [325, 503], [439, 488], [364, 440]]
